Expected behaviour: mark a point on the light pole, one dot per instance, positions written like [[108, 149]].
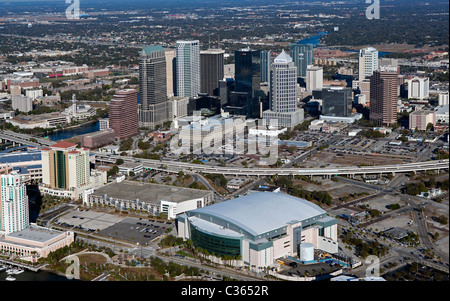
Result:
[[141, 249]]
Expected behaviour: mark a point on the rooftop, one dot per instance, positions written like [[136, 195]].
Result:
[[152, 49], [262, 212], [20, 157], [38, 118], [212, 51], [149, 193], [39, 235], [422, 112], [283, 58], [63, 144], [442, 109]]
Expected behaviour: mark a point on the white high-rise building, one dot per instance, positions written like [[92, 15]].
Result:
[[368, 62], [418, 87], [14, 204], [443, 99], [188, 68], [283, 93], [22, 103], [314, 78]]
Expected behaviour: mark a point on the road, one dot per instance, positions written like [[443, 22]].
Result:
[[46, 218], [413, 206], [201, 179], [422, 226]]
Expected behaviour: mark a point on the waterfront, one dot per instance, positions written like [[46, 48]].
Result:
[[69, 133]]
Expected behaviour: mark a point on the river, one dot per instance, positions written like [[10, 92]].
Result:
[[81, 130]]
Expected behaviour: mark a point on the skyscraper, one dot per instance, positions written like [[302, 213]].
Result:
[[266, 62], [211, 70], [367, 62], [170, 74], [302, 55], [188, 68], [336, 101], [283, 93], [14, 204], [153, 107], [383, 97], [123, 113], [247, 74], [247, 82]]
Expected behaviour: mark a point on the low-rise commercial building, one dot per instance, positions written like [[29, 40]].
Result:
[[152, 198], [236, 183], [442, 114], [35, 242], [46, 121], [98, 139]]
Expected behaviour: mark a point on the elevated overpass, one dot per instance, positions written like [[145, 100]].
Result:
[[25, 139], [176, 166]]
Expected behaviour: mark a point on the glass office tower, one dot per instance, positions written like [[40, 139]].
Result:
[[302, 55]]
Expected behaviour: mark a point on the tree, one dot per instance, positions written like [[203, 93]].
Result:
[[113, 171], [119, 161], [143, 145], [443, 220]]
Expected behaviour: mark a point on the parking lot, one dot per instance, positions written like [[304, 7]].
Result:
[[136, 230], [398, 221], [130, 229], [87, 220]]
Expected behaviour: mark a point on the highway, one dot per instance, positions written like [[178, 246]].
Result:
[[176, 166], [25, 139]]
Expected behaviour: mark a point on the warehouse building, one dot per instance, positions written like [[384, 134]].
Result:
[[259, 228]]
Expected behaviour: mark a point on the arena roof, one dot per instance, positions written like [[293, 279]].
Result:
[[261, 212]]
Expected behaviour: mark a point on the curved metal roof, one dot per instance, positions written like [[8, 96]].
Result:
[[261, 212]]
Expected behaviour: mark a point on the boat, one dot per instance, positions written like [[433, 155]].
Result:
[[18, 271], [11, 271], [10, 278], [2, 268]]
